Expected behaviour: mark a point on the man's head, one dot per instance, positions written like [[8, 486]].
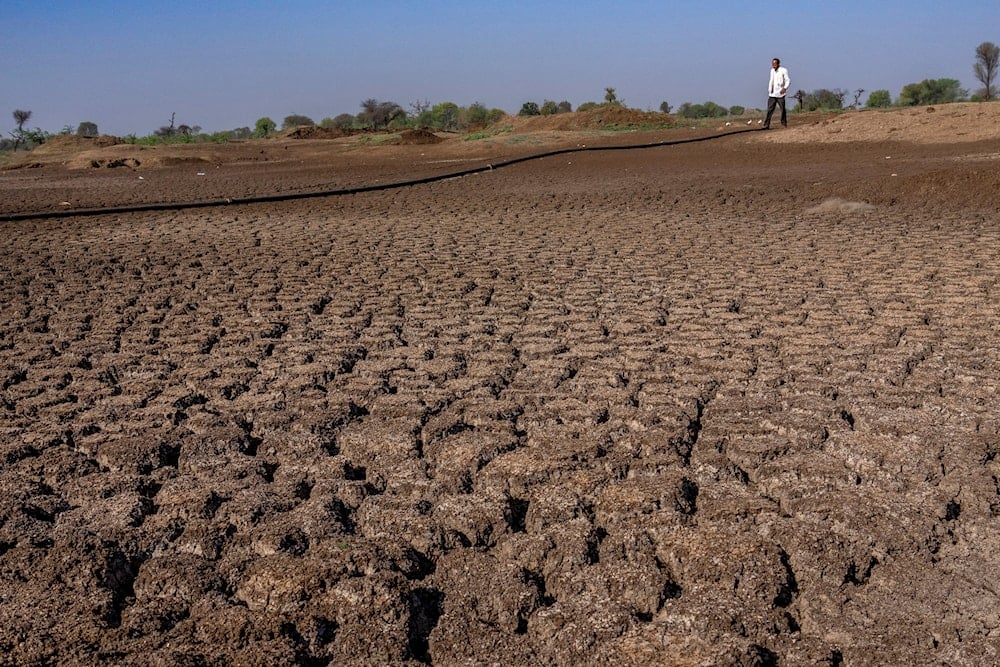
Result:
[[775, 62]]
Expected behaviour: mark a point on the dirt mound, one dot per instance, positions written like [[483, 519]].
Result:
[[417, 137], [314, 132], [607, 116], [70, 143], [939, 124]]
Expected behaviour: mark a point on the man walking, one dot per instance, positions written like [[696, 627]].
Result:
[[776, 89]]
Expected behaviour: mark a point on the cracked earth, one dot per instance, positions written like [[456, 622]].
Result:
[[726, 403]]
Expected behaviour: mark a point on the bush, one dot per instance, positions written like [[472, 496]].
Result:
[[478, 116], [549, 108], [931, 91], [706, 110], [529, 109], [444, 116], [295, 120], [564, 107], [736, 110], [376, 115], [87, 129], [879, 99], [587, 106], [822, 99], [341, 121]]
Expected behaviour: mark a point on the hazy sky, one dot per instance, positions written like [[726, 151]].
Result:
[[220, 65]]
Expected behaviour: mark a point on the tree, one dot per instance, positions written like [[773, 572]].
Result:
[[377, 115], [20, 117], [529, 109], [548, 108], [263, 127], [564, 107], [341, 121], [86, 129], [419, 107], [664, 107], [444, 116], [931, 91], [294, 120], [737, 110], [987, 61], [475, 116], [35, 137], [879, 99], [857, 98], [611, 98], [167, 130]]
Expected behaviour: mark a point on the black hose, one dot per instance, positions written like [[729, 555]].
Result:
[[260, 199]]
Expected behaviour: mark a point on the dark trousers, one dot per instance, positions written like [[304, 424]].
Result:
[[771, 102]]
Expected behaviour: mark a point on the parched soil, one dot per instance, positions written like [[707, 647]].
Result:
[[720, 403]]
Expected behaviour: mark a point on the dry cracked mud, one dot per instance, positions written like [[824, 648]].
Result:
[[726, 403]]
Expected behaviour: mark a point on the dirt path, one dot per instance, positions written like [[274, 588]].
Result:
[[728, 403]]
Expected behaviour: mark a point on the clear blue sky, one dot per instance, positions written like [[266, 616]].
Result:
[[220, 65]]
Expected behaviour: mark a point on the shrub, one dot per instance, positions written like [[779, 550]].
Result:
[[86, 129], [931, 91], [263, 127], [706, 110], [478, 116], [341, 121], [529, 109], [823, 99], [294, 120], [375, 114], [879, 99], [736, 110]]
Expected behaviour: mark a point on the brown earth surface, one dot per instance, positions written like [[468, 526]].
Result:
[[721, 403]]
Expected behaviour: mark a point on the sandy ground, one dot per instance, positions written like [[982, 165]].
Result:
[[722, 403]]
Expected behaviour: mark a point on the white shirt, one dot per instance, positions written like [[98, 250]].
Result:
[[779, 83]]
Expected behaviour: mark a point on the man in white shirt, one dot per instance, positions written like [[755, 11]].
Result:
[[776, 89]]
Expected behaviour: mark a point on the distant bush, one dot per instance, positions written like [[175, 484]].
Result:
[[295, 120], [822, 100], [706, 110], [931, 91], [587, 106], [376, 115], [476, 115], [529, 109], [87, 129], [263, 127], [736, 110], [879, 99], [564, 107], [548, 108], [341, 121]]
